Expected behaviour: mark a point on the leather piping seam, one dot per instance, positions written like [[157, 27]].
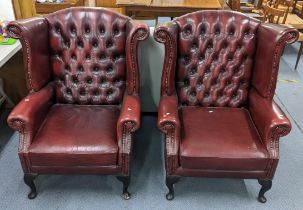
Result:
[[277, 55], [24, 41], [170, 146], [126, 144], [274, 144], [22, 141], [133, 42], [164, 36]]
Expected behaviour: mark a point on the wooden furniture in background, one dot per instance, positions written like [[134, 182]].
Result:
[[166, 8], [298, 8], [273, 15], [110, 4], [45, 8], [281, 4], [300, 50], [237, 5], [24, 8]]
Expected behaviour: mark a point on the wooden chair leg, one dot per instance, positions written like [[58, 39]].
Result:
[[29, 181], [299, 55], [170, 181], [126, 181], [266, 185]]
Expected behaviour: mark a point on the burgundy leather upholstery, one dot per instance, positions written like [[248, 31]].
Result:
[[228, 140], [88, 56], [215, 59], [89, 134], [32, 33], [83, 77], [216, 108]]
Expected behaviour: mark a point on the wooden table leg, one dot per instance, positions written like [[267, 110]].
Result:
[[299, 55]]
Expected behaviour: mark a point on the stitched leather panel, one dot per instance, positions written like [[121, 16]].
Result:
[[88, 55], [215, 58]]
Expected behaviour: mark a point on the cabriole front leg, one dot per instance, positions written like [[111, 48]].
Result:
[[29, 181], [266, 185], [126, 181], [170, 181]]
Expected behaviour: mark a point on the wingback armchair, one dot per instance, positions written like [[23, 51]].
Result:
[[83, 107], [216, 109]]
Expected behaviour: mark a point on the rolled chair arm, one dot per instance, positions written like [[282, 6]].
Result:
[[169, 124], [130, 112], [168, 113], [269, 120], [29, 114], [128, 123]]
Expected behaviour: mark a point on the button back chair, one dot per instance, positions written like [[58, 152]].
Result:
[[83, 107], [216, 108]]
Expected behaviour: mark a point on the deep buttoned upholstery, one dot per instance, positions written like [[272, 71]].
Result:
[[83, 108], [216, 108], [215, 59], [88, 56]]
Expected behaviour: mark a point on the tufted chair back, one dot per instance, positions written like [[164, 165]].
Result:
[[215, 58], [88, 55]]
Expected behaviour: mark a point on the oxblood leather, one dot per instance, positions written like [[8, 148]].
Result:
[[136, 32], [169, 123], [128, 122], [30, 113], [275, 37], [88, 56], [86, 133], [215, 58], [220, 139], [271, 123], [33, 34], [79, 62], [248, 146], [168, 35]]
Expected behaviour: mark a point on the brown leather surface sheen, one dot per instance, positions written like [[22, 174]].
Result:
[[88, 56], [215, 58]]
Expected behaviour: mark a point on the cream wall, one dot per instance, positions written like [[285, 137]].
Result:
[[6, 10]]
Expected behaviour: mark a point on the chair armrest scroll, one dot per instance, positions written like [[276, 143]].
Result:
[[30, 113]]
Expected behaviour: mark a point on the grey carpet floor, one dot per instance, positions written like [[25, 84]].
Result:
[[147, 186]]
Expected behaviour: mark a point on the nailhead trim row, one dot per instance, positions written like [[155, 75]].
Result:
[[25, 43], [139, 34]]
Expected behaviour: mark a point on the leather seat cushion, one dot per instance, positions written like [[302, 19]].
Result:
[[76, 135], [220, 139]]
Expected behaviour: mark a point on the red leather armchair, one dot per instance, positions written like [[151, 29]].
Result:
[[83, 107], [216, 109]]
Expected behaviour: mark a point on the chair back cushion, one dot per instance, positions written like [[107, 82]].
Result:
[[215, 58], [88, 55]]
